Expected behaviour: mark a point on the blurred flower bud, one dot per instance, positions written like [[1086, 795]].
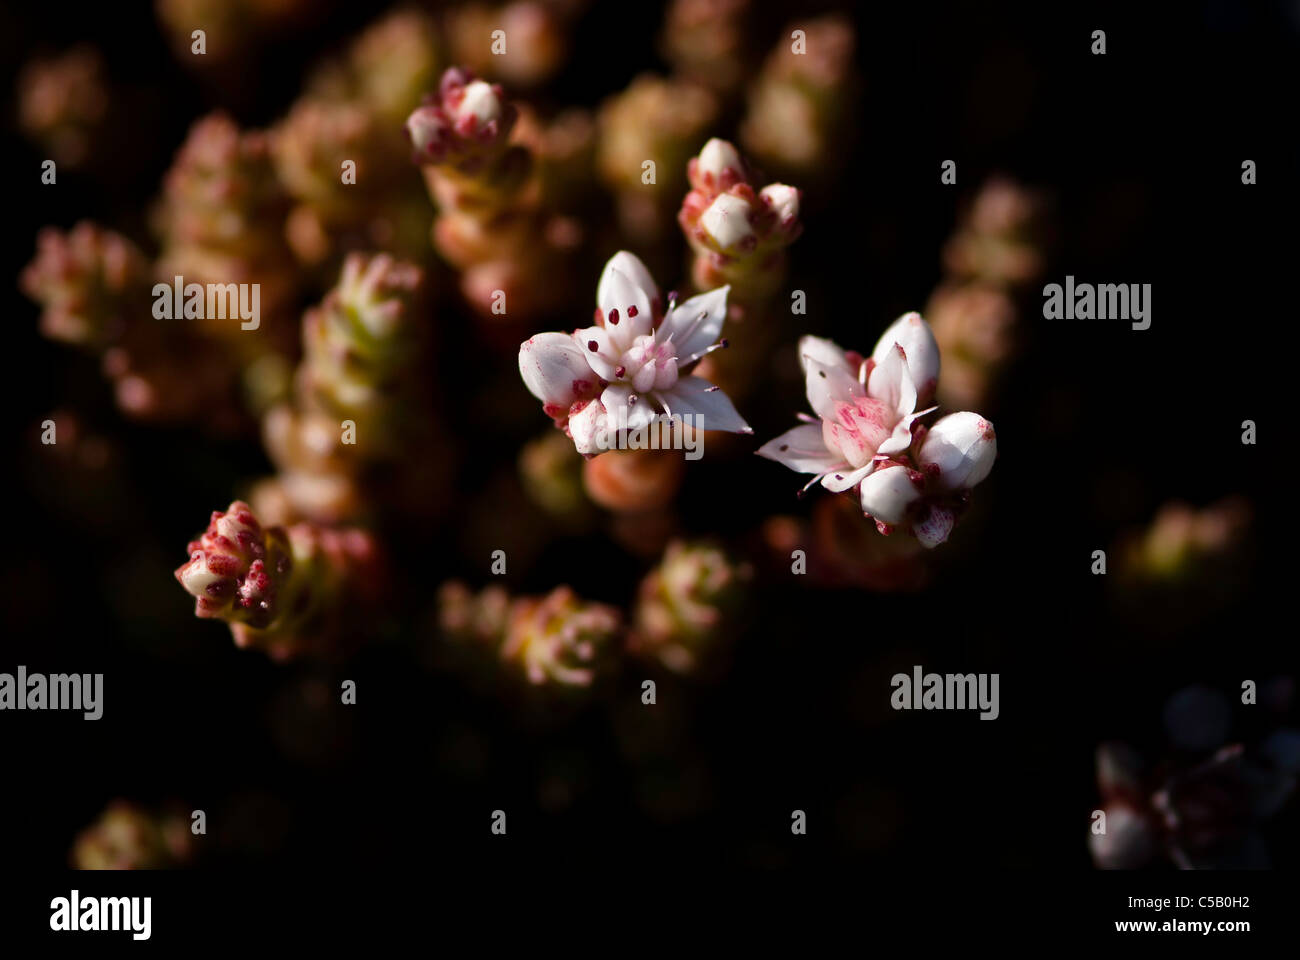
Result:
[[466, 123], [63, 103], [125, 837], [536, 31], [1000, 239], [633, 481], [1129, 841], [386, 68], [552, 475], [88, 281], [659, 121], [683, 605], [559, 639], [707, 41], [800, 101]]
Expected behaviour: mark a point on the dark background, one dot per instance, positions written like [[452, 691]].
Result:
[[1098, 425]]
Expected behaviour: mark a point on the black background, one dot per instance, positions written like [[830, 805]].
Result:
[[1142, 149]]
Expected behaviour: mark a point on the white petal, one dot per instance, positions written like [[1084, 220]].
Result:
[[802, 449], [901, 437], [840, 481], [784, 201], [891, 382], [963, 446], [587, 428], [426, 126], [825, 352], [934, 529], [828, 386], [644, 379], [696, 323], [551, 364], [481, 101], [887, 493], [717, 156], [603, 361], [621, 413], [695, 396], [726, 221], [196, 577], [627, 310], [630, 265], [913, 334]]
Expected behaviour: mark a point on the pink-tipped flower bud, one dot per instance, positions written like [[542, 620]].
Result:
[[783, 200], [236, 568], [718, 167], [429, 129], [726, 223], [913, 334], [888, 491], [466, 120], [962, 448], [482, 101]]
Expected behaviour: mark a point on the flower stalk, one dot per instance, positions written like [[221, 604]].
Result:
[[557, 641]]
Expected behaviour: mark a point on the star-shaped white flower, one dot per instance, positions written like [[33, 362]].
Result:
[[865, 409], [632, 365]]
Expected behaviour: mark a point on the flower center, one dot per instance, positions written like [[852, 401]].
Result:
[[859, 428], [648, 364]]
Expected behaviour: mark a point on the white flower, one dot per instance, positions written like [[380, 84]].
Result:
[[865, 412], [961, 449], [913, 334], [628, 369]]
